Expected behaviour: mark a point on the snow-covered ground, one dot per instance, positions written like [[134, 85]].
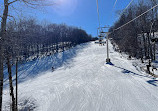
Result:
[[87, 83], [142, 66]]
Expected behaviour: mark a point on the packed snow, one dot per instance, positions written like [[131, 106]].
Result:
[[84, 82]]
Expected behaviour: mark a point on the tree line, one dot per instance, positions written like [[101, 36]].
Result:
[[137, 38], [27, 39]]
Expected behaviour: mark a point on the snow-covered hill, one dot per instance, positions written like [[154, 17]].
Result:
[[86, 83]]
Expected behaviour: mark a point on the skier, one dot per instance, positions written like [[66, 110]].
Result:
[[52, 69]]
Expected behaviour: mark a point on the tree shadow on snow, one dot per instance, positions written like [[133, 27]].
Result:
[[36, 67], [27, 104], [126, 71], [153, 82]]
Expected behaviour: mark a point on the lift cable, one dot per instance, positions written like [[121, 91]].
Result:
[[114, 4], [136, 18], [98, 13], [126, 7]]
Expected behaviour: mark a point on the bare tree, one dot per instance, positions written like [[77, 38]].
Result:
[[127, 37], [4, 17]]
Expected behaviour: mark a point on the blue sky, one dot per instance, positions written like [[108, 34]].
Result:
[[83, 13], [79, 13]]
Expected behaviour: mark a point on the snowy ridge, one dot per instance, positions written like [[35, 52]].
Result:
[[86, 83]]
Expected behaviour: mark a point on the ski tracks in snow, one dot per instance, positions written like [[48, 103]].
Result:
[[91, 85]]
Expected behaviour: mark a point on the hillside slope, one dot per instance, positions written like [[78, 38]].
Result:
[[86, 83]]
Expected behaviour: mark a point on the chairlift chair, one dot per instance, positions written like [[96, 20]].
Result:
[[102, 32], [101, 36]]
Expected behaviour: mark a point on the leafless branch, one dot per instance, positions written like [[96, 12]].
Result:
[[31, 3], [12, 2], [12, 17], [37, 4]]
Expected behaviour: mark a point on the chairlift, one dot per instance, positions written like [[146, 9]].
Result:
[[100, 36], [102, 32]]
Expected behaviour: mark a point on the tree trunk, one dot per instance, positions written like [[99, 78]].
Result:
[[1, 77], [3, 31], [17, 85], [144, 43], [11, 84], [154, 48], [150, 54]]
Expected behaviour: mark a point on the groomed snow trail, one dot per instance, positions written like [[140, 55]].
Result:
[[88, 84]]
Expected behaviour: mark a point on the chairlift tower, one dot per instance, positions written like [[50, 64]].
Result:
[[101, 34], [107, 43]]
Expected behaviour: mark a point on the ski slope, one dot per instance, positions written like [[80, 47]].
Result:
[[86, 83]]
